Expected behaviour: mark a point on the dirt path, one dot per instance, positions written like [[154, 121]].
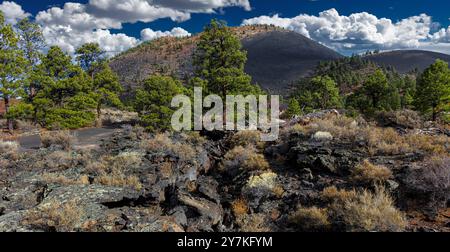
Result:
[[85, 138]]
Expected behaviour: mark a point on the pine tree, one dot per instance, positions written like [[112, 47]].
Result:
[[376, 88], [325, 93], [219, 60], [107, 88], [57, 64], [89, 56], [11, 66], [153, 102], [433, 90], [31, 43], [293, 108], [66, 99], [319, 92]]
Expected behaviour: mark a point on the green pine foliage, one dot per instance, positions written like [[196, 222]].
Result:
[[361, 86], [319, 92], [107, 88], [66, 99], [153, 102], [219, 61], [433, 95], [12, 66], [293, 109]]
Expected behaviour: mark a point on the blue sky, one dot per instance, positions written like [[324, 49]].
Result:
[[342, 25]]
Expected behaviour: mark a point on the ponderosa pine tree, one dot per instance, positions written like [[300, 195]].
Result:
[[31, 43], [433, 90], [376, 88], [11, 66], [107, 88], [293, 109], [89, 56], [320, 92], [219, 61], [153, 102], [66, 99]]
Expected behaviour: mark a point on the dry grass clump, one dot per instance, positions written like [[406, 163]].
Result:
[[52, 178], [429, 144], [244, 159], [368, 173], [246, 138], [126, 160], [310, 219], [122, 162], [119, 179], [56, 216], [387, 141], [62, 139], [7, 147], [194, 138], [114, 170], [58, 160], [363, 211], [340, 127], [161, 143], [239, 207]]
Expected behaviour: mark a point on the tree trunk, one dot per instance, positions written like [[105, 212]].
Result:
[[434, 116], [99, 110], [32, 93], [8, 120]]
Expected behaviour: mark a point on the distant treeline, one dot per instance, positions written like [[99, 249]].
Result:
[[361, 86]]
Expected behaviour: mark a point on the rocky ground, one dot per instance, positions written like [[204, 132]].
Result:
[[326, 173]]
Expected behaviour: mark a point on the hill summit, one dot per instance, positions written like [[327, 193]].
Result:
[[276, 57]]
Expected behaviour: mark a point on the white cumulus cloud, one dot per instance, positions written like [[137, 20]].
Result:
[[360, 31], [74, 24], [12, 12], [149, 34]]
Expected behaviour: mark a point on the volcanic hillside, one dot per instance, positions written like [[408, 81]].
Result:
[[276, 57], [405, 61]]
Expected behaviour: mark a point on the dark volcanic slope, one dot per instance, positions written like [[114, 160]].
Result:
[[407, 60], [277, 58]]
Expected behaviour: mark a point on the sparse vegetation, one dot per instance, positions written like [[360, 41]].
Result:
[[119, 179], [363, 211], [61, 139], [56, 216], [310, 219], [247, 138], [8, 147], [246, 159], [161, 144], [369, 173]]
